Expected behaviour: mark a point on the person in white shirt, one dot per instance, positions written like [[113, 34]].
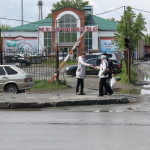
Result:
[[80, 73], [103, 78]]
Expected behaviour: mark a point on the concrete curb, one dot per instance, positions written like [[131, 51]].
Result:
[[19, 105]]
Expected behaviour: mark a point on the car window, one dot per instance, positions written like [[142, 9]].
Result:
[[10, 71], [92, 61], [2, 72], [98, 62], [109, 55]]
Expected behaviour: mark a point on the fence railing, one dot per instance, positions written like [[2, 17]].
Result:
[[41, 67]]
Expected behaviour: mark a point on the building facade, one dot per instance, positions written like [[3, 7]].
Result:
[[61, 32]]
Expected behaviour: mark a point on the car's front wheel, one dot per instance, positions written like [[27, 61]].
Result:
[[73, 73], [11, 88], [23, 64]]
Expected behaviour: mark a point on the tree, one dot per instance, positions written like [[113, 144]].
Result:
[[5, 27], [113, 19], [79, 4], [131, 27], [147, 39], [135, 26]]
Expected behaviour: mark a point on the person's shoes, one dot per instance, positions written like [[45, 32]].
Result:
[[82, 93], [110, 94], [77, 93], [105, 94]]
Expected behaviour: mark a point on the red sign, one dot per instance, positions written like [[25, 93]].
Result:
[[68, 29]]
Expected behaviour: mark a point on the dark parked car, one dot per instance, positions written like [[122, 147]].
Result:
[[71, 70], [112, 56], [17, 59]]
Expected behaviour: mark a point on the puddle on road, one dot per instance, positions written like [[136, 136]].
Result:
[[127, 91], [143, 74], [146, 78], [133, 91]]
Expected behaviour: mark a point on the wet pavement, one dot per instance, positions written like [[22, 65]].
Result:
[[91, 127], [74, 128]]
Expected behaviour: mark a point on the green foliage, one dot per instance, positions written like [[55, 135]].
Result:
[[5, 27], [132, 75], [78, 4], [147, 39], [123, 75], [39, 84], [135, 26]]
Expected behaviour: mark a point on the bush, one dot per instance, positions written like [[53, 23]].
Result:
[[123, 75], [40, 84]]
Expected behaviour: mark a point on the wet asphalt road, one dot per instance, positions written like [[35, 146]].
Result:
[[74, 128], [105, 127]]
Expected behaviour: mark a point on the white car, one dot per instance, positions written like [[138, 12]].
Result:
[[14, 79]]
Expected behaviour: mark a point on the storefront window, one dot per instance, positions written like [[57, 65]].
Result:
[[88, 41], [48, 41], [68, 36]]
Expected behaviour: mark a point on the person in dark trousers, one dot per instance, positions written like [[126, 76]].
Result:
[[80, 73], [111, 73], [103, 78]]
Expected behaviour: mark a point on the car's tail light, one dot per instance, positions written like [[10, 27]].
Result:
[[28, 80], [116, 55], [119, 66]]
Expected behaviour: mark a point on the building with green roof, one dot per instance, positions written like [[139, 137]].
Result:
[[61, 31]]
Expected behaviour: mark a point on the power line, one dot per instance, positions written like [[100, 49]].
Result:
[[141, 10], [14, 19], [74, 19], [61, 21], [109, 11]]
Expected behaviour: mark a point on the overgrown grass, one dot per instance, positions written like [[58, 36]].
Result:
[[123, 74], [61, 84]]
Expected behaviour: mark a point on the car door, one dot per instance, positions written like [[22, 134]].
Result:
[[90, 70], [3, 78]]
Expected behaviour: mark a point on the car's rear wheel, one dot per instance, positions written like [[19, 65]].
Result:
[[11, 88], [23, 64], [73, 73]]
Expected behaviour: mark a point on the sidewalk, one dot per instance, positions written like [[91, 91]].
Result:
[[15, 101]]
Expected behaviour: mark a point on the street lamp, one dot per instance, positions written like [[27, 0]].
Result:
[[1, 56]]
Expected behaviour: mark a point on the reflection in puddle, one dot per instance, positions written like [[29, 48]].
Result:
[[143, 74], [143, 91], [131, 91], [127, 91], [146, 86], [146, 78]]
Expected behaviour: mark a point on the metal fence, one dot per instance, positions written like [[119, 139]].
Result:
[[40, 66]]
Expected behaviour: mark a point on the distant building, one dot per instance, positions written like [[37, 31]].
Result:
[[62, 31]]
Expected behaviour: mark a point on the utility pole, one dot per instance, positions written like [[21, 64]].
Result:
[[40, 4], [127, 46], [21, 12], [57, 50], [1, 54]]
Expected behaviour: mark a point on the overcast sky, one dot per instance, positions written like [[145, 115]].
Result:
[[11, 9]]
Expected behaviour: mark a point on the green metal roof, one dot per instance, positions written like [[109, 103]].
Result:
[[32, 27], [90, 20], [103, 24]]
